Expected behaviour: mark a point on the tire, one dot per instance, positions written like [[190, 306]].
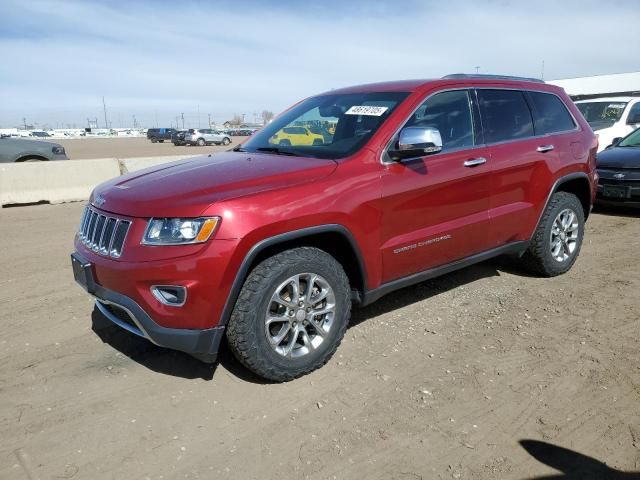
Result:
[[161, 141], [201, 142], [248, 333], [226, 141], [154, 139], [542, 257]]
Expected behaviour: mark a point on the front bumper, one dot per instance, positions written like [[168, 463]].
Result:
[[126, 313], [618, 191]]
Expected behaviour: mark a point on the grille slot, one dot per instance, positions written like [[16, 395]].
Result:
[[102, 233]]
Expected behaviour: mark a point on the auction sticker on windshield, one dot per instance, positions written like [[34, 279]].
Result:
[[366, 110]]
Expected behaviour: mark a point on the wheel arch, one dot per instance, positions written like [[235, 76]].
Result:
[[30, 156], [334, 239], [577, 184]]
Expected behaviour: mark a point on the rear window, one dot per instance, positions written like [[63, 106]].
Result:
[[549, 114], [505, 115]]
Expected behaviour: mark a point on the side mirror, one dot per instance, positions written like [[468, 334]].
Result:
[[417, 142], [615, 142]]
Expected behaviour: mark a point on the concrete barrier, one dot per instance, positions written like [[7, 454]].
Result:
[[53, 182], [66, 181]]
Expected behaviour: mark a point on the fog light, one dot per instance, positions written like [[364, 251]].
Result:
[[171, 295]]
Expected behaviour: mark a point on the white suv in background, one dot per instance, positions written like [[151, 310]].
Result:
[[206, 136], [611, 117]]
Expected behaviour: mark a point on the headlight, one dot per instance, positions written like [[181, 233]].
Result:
[[179, 231], [58, 150]]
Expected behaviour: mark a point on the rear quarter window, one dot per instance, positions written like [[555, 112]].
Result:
[[550, 115], [505, 115]]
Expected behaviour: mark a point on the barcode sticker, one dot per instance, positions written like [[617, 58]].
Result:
[[366, 110]]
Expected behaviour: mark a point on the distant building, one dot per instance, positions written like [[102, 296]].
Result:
[[615, 85]]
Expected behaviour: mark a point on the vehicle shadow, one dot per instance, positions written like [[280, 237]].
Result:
[[615, 211], [573, 465], [178, 364]]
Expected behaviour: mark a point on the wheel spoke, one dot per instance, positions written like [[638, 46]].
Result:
[[317, 326], [310, 283], [292, 342], [275, 318], [275, 340], [307, 340]]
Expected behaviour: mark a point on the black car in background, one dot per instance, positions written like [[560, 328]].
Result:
[[160, 134], [177, 137], [619, 171]]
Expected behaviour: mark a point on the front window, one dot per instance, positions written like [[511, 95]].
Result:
[[632, 140], [601, 114], [327, 126]]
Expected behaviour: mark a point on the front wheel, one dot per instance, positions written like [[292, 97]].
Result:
[[291, 314], [153, 139], [201, 142], [226, 141], [557, 240]]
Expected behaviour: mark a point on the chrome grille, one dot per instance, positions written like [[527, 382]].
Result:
[[104, 234]]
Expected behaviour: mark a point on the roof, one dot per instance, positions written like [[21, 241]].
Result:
[[460, 79], [608, 99], [601, 84]]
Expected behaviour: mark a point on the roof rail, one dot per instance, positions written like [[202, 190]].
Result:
[[490, 77]]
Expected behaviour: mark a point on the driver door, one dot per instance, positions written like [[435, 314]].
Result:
[[435, 207]]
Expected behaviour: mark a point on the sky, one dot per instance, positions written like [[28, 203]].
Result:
[[156, 59]]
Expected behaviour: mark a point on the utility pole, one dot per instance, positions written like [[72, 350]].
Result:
[[104, 107], [135, 123], [198, 115], [542, 71], [477, 69], [156, 112], [24, 121], [209, 120], [182, 115]]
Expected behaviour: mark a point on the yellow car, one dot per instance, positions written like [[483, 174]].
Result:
[[296, 136]]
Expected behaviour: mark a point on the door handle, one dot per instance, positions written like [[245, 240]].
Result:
[[474, 162], [544, 148]]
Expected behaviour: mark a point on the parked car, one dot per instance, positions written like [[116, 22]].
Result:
[[160, 134], [40, 134], [296, 136], [25, 150], [206, 136], [619, 172], [177, 137], [611, 117], [269, 245]]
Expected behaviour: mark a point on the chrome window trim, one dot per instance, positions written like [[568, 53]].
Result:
[[476, 88]]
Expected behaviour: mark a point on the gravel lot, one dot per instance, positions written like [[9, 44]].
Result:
[[125, 147], [440, 380]]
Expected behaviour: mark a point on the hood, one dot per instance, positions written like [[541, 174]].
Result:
[[187, 187], [619, 157], [28, 143]]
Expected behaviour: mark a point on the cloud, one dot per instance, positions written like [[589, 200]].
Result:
[[156, 59]]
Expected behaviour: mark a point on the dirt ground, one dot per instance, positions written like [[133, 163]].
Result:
[[486, 373], [125, 147]]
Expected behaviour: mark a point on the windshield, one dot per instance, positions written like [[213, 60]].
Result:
[[328, 126], [601, 114], [631, 140]]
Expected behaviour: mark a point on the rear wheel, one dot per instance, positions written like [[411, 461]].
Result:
[[201, 142], [154, 139], [226, 141], [557, 240], [291, 314]]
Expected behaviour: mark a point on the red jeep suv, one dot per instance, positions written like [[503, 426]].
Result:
[[271, 243]]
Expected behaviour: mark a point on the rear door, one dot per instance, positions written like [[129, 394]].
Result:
[[435, 206], [523, 161]]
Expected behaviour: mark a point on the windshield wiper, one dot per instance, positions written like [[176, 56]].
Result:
[[275, 150]]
